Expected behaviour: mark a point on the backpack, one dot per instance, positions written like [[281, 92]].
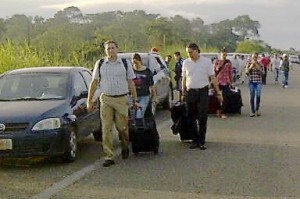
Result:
[[102, 60]]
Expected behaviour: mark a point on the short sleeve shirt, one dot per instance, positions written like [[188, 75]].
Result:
[[143, 81], [197, 72], [114, 77]]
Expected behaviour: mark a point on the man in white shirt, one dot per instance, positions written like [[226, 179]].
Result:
[[242, 66], [275, 63], [197, 72]]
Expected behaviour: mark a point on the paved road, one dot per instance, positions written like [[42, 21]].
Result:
[[246, 158]]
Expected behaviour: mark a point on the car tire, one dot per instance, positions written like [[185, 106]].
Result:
[[71, 149], [97, 135]]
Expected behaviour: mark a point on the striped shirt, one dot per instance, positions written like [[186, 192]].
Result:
[[114, 77]]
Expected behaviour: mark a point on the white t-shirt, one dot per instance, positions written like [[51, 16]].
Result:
[[275, 63], [197, 73]]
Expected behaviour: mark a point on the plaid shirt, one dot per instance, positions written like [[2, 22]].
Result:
[[255, 75], [225, 75]]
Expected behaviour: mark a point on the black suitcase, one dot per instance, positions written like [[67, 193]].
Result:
[[234, 101], [143, 133], [181, 124]]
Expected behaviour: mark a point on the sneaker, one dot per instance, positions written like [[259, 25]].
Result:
[[252, 115], [108, 163], [258, 113], [285, 86], [202, 147], [125, 153], [223, 116]]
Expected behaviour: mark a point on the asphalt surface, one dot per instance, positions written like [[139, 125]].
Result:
[[245, 158]]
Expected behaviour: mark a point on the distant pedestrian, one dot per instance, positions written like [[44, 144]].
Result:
[[265, 61], [236, 67], [242, 66], [178, 71], [285, 68], [275, 63], [255, 71], [168, 60], [197, 71]]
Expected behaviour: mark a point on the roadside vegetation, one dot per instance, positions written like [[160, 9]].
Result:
[[71, 38]]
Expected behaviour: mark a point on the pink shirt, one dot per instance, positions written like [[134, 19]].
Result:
[[225, 75]]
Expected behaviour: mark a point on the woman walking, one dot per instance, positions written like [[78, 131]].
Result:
[[255, 72]]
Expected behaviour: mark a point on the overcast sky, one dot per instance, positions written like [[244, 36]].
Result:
[[279, 19]]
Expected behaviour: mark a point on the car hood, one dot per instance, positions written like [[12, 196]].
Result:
[[26, 110]]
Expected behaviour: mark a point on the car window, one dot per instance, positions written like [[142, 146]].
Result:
[[79, 84], [33, 86]]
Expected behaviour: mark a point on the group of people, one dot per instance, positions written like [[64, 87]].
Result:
[[194, 76]]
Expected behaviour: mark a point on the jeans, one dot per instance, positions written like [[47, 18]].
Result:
[[285, 78], [276, 74], [255, 91], [143, 102]]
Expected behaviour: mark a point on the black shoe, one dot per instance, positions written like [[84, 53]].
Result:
[[125, 153], [194, 145], [202, 147], [108, 163]]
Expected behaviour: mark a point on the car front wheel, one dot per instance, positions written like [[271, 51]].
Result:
[[71, 149]]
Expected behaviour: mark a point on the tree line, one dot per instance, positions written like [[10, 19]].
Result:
[[71, 38]]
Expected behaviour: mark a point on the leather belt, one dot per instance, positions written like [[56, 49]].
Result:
[[197, 89], [122, 95]]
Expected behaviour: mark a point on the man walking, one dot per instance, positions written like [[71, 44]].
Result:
[[197, 72], [285, 67], [178, 71], [115, 80], [275, 63]]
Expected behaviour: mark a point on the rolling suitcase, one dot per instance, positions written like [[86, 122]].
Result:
[[143, 133]]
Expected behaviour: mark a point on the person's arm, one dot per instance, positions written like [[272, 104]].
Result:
[[132, 90], [92, 89], [153, 95], [216, 86], [183, 88]]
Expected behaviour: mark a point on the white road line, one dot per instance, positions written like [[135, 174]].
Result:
[[57, 187]]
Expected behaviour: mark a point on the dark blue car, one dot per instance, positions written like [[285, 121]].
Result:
[[43, 112]]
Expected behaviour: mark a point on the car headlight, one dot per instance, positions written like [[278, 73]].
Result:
[[47, 124]]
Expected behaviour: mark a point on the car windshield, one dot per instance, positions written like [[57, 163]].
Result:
[[33, 86]]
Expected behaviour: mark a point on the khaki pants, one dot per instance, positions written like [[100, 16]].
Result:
[[114, 110]]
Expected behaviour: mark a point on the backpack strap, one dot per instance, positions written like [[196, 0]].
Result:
[[99, 66], [125, 64]]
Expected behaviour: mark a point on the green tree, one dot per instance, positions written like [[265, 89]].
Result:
[[249, 47]]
